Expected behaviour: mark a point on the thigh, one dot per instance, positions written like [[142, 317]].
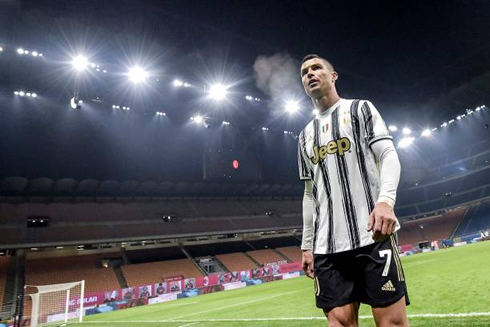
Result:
[[346, 315], [393, 315], [384, 280], [334, 280]]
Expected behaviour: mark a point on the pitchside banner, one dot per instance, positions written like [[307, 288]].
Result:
[[172, 285]]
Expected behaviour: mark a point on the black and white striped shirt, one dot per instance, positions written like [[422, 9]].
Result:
[[334, 153]]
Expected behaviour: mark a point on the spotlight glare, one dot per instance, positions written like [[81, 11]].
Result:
[[426, 132], [22, 93], [1, 49], [75, 103], [79, 63], [444, 125], [137, 75], [292, 106], [226, 123], [198, 119], [28, 94], [406, 131], [20, 51], [286, 132], [26, 52], [451, 121], [217, 92], [16, 92], [405, 142], [178, 83], [34, 53], [265, 129], [249, 97], [459, 117], [393, 128]]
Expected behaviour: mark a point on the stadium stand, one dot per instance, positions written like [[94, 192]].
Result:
[[152, 255], [477, 220], [155, 272], [265, 256], [274, 242], [212, 249], [4, 262], [71, 269], [236, 261], [293, 253], [429, 229]]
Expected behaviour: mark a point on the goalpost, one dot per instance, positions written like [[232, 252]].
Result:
[[56, 303]]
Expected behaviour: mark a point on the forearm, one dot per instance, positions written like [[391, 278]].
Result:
[[308, 229], [385, 153]]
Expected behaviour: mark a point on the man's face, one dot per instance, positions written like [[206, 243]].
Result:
[[317, 78]]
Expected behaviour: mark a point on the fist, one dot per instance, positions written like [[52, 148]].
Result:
[[382, 221]]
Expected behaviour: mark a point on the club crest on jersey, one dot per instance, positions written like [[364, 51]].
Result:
[[325, 128], [339, 146]]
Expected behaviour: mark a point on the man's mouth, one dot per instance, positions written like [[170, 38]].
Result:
[[312, 83]]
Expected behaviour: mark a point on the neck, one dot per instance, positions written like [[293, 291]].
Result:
[[326, 101]]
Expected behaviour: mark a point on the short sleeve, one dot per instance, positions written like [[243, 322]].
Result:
[[374, 126], [304, 170]]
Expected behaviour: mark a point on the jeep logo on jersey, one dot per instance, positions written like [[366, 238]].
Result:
[[339, 146]]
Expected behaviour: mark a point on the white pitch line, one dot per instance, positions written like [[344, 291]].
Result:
[[193, 323], [421, 315], [233, 305]]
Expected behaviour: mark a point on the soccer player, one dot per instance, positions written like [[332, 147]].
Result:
[[351, 171]]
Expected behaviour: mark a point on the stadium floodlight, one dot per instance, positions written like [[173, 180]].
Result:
[[265, 129], [22, 93], [137, 75], [178, 83], [405, 142], [257, 99], [197, 119], [20, 51], [34, 95], [104, 71], [393, 128], [35, 53], [477, 109], [159, 113], [28, 94], [75, 103], [426, 132], [249, 97], [1, 49], [218, 92], [79, 63], [226, 123], [315, 112], [444, 124], [16, 92], [286, 132], [451, 121], [406, 131], [292, 106], [26, 51], [469, 111], [459, 117]]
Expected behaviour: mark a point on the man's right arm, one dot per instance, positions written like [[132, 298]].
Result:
[[308, 229]]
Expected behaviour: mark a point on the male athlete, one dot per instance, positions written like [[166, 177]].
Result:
[[351, 171]]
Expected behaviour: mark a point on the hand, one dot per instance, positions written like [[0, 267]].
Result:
[[382, 221], [307, 261]]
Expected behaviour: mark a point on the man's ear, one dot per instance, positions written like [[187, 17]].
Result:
[[335, 76]]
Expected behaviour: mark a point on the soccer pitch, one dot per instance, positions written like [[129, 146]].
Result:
[[447, 288]]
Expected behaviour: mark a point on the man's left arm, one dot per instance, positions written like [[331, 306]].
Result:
[[382, 221]]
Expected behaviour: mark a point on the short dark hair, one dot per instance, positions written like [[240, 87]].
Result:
[[313, 55]]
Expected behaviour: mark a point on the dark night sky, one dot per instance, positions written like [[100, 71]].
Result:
[[419, 62]]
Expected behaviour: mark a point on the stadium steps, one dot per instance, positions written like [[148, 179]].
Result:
[[252, 259], [194, 262], [120, 277], [465, 222], [14, 283], [282, 255], [221, 265]]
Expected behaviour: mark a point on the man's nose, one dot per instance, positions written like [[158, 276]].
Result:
[[310, 74]]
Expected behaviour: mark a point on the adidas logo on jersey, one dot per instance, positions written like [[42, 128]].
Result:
[[388, 287]]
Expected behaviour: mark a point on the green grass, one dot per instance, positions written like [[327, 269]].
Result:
[[455, 280]]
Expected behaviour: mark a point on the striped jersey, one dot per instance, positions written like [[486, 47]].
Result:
[[334, 153]]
